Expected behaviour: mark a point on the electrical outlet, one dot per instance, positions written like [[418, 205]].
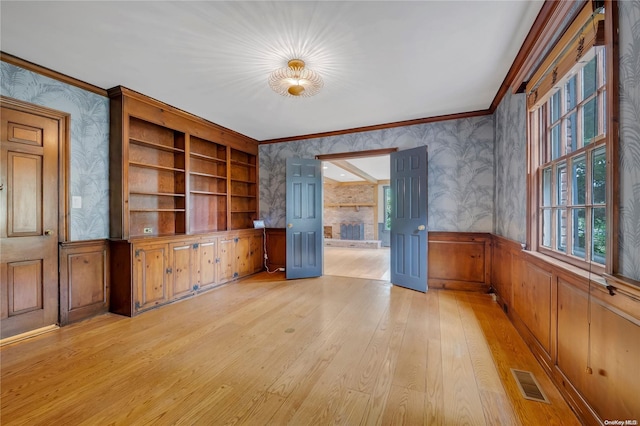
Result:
[[281, 269], [147, 231]]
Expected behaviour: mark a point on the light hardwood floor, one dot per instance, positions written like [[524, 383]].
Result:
[[357, 262], [266, 351]]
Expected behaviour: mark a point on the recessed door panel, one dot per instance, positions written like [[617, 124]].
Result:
[[24, 287], [24, 134], [24, 207]]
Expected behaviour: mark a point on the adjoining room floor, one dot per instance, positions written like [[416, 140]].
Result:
[[357, 262]]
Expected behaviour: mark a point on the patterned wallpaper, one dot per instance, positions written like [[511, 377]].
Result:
[[629, 236], [89, 176], [460, 169], [510, 162]]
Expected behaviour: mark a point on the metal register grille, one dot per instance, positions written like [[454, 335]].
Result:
[[529, 386]]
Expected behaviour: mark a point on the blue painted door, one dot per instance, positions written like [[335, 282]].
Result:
[[409, 218], [304, 218]]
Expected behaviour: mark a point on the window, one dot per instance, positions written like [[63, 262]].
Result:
[[568, 136], [387, 207]]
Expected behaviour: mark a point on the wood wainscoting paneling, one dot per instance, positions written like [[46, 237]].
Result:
[[460, 261], [84, 280], [457, 260], [276, 242], [586, 339]]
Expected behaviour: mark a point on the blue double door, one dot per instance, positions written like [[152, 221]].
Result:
[[409, 236]]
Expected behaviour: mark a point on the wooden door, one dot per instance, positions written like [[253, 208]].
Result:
[[304, 218], [227, 259], [29, 221], [207, 256], [257, 253], [409, 239], [243, 255], [150, 275], [183, 273]]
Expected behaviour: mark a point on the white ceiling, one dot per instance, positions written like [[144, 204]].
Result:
[[381, 61]]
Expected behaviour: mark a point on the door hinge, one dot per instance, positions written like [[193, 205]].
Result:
[[235, 240], [169, 270], [137, 305], [196, 245], [138, 252], [195, 287], [235, 275], [217, 260]]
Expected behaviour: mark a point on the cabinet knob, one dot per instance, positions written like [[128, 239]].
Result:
[[290, 225]]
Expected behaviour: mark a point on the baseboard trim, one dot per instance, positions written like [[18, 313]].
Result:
[[28, 335]]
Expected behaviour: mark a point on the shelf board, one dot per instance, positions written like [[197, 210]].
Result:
[[207, 193], [243, 181], [243, 196], [154, 166], [207, 175], [242, 163], [243, 211], [158, 194], [156, 210], [208, 157], [349, 205], [155, 145]]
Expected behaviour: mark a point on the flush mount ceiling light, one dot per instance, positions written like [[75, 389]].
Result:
[[295, 80]]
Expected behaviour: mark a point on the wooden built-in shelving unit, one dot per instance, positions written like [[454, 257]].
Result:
[[183, 199]]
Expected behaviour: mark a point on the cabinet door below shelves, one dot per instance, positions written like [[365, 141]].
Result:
[[243, 256], [257, 253], [150, 275], [227, 255], [183, 273], [208, 254]]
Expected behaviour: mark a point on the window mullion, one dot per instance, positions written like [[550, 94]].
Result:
[[588, 205], [554, 204]]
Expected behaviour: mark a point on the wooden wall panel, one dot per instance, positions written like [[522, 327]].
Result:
[[276, 248], [460, 261], [532, 303], [504, 257], [614, 385], [587, 340], [84, 280], [572, 332]]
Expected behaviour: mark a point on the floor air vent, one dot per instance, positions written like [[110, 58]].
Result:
[[529, 386]]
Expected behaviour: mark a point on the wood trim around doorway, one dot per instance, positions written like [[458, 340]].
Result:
[[64, 163], [356, 154]]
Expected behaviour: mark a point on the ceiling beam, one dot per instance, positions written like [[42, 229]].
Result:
[[329, 180], [345, 165]]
